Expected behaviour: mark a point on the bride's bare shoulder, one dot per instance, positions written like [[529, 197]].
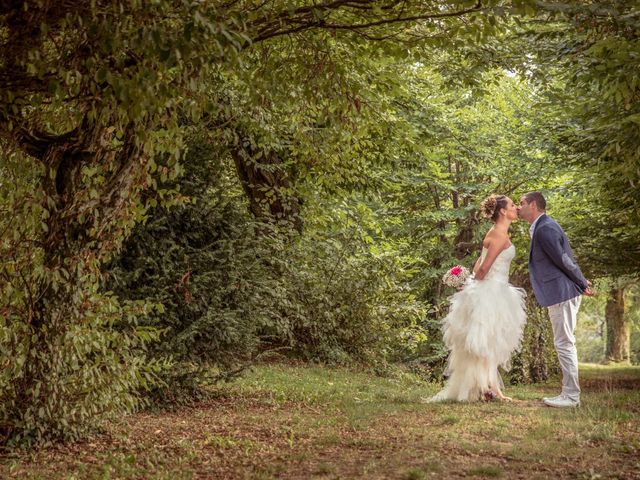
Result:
[[496, 239]]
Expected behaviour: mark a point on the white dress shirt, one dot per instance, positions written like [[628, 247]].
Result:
[[533, 226]]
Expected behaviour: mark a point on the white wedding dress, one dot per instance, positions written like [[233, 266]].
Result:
[[483, 328]]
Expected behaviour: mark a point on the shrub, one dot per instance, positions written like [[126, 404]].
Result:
[[233, 288]]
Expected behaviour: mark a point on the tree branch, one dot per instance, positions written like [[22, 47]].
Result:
[[37, 143], [272, 29]]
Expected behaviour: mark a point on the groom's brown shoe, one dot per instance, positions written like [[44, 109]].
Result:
[[562, 402]]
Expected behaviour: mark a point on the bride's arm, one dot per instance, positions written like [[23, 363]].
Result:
[[477, 264], [482, 267]]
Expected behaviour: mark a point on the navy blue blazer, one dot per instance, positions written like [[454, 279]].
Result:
[[554, 273]]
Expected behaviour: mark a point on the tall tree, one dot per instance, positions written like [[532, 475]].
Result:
[[618, 332], [92, 97], [618, 321], [585, 56]]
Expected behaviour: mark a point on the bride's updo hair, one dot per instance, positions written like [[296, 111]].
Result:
[[490, 206]]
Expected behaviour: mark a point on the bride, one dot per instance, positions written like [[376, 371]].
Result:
[[486, 317]]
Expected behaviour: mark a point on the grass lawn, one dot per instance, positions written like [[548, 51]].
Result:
[[284, 421]]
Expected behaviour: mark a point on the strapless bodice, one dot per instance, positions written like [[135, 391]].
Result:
[[500, 269]]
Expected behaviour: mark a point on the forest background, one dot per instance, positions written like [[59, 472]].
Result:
[[188, 188]]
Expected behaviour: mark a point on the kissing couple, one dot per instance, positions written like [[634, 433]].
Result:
[[486, 318]]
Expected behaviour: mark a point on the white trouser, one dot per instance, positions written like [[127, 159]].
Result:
[[563, 321]]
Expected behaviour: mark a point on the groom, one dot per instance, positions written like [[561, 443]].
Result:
[[558, 285]]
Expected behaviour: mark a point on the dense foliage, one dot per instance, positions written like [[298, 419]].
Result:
[[74, 366], [332, 157], [233, 288]]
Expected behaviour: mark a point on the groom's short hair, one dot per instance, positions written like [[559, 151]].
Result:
[[536, 197]]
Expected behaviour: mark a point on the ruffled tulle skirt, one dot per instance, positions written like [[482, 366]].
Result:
[[483, 329]]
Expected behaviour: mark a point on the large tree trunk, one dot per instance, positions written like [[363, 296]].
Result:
[[618, 332], [267, 184], [86, 199], [86, 218]]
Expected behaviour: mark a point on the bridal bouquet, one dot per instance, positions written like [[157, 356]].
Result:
[[455, 276]]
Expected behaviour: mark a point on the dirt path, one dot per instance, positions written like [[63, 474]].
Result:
[[241, 436]]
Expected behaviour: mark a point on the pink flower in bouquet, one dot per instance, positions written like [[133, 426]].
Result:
[[455, 276]]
